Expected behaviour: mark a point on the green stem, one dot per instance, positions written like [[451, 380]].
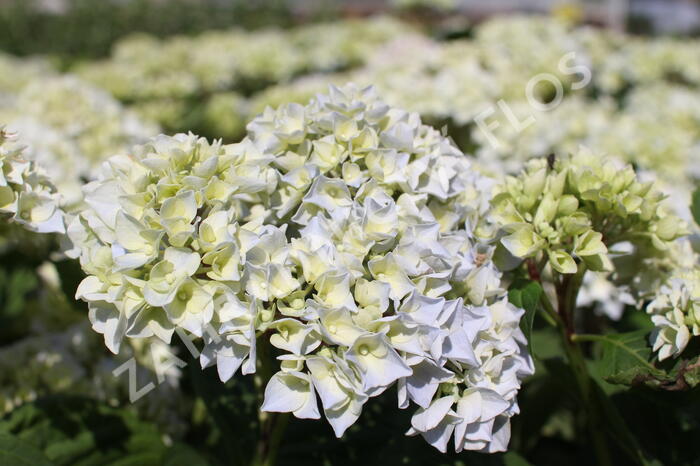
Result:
[[568, 293], [272, 429], [578, 337], [271, 426], [550, 314], [572, 290], [586, 388]]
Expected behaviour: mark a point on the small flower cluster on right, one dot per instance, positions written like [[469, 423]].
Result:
[[589, 213]]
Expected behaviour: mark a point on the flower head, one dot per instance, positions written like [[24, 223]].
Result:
[[338, 230], [27, 196]]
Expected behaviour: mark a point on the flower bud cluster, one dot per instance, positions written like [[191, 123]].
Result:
[[346, 234], [570, 210], [27, 196]]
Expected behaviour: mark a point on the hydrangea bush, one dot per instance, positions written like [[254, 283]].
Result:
[[344, 249]]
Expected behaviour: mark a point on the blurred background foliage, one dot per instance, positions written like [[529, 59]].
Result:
[[80, 29], [88, 28]]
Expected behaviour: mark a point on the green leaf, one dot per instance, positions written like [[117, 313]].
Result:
[[695, 205], [80, 431], [627, 358], [618, 428], [18, 452], [691, 374], [182, 455], [526, 294], [612, 421], [513, 459]]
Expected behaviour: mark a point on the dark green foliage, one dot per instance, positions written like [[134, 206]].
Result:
[[526, 294], [18, 452], [642, 425], [627, 359], [89, 28], [79, 431], [15, 286]]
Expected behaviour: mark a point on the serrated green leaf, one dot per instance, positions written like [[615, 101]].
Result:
[[526, 295], [627, 359], [14, 451]]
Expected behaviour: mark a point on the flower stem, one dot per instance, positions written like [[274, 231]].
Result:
[[271, 426], [549, 314], [567, 295], [587, 392]]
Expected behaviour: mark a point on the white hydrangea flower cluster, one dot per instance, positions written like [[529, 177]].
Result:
[[672, 152], [600, 204], [631, 133], [441, 82], [575, 122], [27, 197], [672, 283], [143, 67], [453, 82], [183, 82], [15, 73], [676, 315], [515, 48], [623, 61], [572, 209], [346, 234], [70, 127]]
